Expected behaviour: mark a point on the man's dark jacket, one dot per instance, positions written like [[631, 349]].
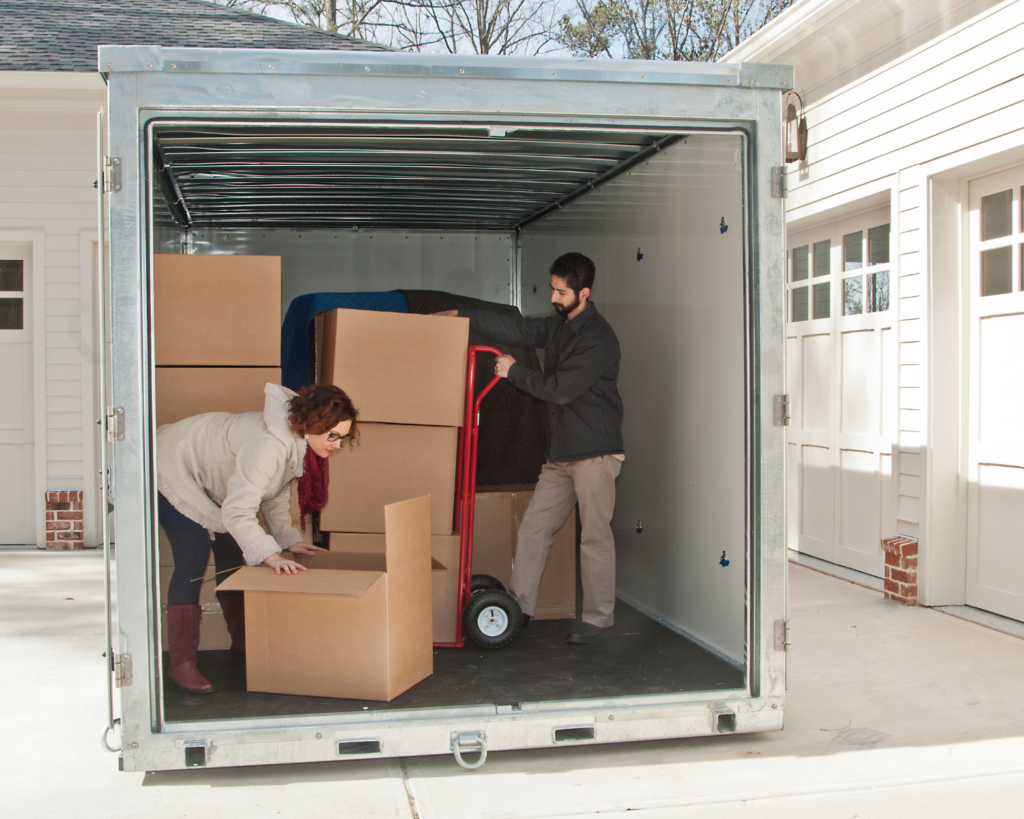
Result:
[[579, 382]]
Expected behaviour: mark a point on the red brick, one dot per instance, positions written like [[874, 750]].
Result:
[[55, 525], [50, 536], [54, 506], [892, 586], [910, 563], [67, 534], [908, 549], [901, 576], [892, 559], [75, 495], [69, 516]]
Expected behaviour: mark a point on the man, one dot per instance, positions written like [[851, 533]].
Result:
[[579, 384]]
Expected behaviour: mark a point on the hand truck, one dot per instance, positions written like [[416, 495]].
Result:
[[486, 612]]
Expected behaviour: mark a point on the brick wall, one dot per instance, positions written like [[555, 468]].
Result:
[[901, 569], [64, 520]]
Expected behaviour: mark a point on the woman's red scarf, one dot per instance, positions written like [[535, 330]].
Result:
[[312, 484]]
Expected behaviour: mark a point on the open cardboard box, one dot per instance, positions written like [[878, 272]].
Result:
[[349, 627], [444, 552]]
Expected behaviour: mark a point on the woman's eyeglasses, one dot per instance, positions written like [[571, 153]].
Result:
[[334, 437]]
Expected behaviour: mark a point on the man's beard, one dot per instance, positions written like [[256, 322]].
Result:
[[564, 310]]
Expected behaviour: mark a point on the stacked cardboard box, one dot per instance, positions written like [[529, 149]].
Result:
[[217, 334], [499, 512], [406, 374]]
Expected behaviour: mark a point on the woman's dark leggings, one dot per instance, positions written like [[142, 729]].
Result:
[[191, 545]]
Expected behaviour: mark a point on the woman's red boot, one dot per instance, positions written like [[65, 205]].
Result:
[[183, 642], [233, 606]]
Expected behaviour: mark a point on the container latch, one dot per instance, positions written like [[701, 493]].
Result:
[[469, 742], [111, 174], [779, 182]]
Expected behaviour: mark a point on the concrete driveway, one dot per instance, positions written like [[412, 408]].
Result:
[[891, 712]]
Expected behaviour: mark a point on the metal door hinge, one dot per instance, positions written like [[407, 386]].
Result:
[[779, 182], [122, 670], [782, 641], [782, 410], [115, 424], [111, 174]]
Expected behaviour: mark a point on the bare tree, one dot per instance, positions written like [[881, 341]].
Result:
[[694, 30], [453, 26]]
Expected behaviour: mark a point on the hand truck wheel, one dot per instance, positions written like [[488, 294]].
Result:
[[492, 619], [484, 582]]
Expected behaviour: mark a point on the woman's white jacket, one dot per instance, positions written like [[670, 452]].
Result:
[[218, 469]]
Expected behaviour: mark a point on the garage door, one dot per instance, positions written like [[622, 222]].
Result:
[[995, 513], [17, 472], [841, 376]]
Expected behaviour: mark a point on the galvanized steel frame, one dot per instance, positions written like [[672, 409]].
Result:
[[147, 83]]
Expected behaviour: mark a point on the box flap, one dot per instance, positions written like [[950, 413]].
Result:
[[313, 581], [410, 592], [345, 561]]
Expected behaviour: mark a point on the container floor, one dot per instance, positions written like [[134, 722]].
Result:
[[639, 657]]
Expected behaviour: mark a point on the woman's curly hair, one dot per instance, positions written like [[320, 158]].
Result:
[[318, 409]]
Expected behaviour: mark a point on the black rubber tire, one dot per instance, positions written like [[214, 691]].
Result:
[[484, 582], [478, 604]]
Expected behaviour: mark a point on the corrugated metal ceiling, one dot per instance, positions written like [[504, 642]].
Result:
[[404, 177]]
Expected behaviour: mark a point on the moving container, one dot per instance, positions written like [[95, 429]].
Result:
[[379, 171]]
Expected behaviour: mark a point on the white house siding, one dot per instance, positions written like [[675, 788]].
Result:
[[890, 87], [47, 170]]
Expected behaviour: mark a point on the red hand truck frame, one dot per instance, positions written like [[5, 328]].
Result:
[[465, 486]]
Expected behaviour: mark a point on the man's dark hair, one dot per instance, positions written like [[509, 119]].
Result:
[[576, 269]]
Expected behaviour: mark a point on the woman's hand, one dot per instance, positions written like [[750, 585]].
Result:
[[305, 549], [282, 564]]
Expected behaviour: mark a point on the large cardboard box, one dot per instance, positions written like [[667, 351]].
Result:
[[391, 462], [398, 368], [353, 626], [495, 535], [213, 632], [182, 392], [444, 551], [217, 311]]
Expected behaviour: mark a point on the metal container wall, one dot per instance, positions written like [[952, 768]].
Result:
[[150, 85]]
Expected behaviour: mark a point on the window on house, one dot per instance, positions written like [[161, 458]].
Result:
[[996, 270], [12, 299], [822, 298], [800, 267], [853, 251], [866, 250], [800, 304], [822, 252], [853, 296], [996, 215]]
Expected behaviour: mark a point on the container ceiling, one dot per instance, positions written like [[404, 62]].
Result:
[[406, 177]]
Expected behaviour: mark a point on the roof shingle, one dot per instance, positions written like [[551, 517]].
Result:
[[62, 35]]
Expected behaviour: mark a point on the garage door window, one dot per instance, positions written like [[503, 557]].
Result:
[[12, 294], [867, 251]]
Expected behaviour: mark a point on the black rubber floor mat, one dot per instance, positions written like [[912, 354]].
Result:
[[640, 657]]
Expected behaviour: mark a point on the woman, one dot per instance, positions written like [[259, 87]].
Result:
[[214, 473]]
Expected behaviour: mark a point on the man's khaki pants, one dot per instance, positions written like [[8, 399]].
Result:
[[560, 487]]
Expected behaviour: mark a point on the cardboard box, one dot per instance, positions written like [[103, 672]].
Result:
[[398, 368], [217, 311], [444, 551], [349, 627], [213, 632], [182, 392], [389, 463], [495, 534]]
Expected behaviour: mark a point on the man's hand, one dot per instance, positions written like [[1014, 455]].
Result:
[[449, 313], [305, 549], [282, 564], [502, 365]]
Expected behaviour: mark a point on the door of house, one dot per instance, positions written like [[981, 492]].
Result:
[[995, 500], [841, 377], [17, 464]]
